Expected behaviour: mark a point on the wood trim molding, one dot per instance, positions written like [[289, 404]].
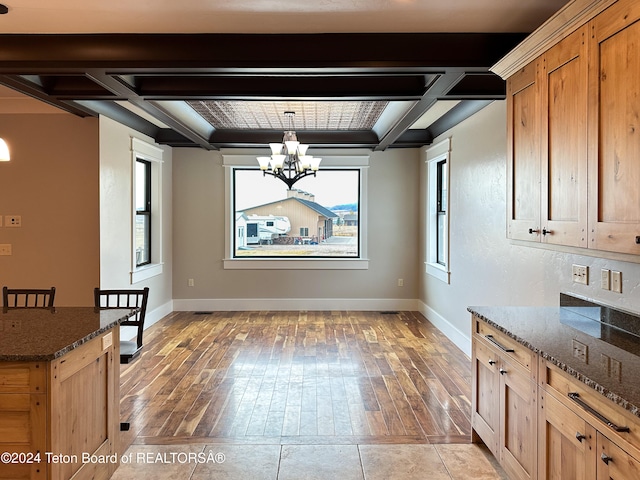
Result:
[[568, 19]]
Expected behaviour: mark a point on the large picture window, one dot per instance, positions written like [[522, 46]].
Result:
[[318, 218], [321, 223]]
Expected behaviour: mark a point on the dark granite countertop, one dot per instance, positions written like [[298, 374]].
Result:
[[552, 332], [35, 334]]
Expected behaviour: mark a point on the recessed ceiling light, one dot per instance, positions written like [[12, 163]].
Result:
[[3, 9]]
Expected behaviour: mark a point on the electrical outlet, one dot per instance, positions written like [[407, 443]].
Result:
[[580, 351], [605, 279], [191, 282], [616, 369], [580, 274], [616, 281], [12, 221], [401, 282], [5, 249]]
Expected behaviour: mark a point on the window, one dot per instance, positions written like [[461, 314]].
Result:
[[146, 242], [143, 212], [438, 211], [303, 227]]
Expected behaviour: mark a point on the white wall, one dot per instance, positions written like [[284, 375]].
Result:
[[116, 218], [199, 244], [486, 267]]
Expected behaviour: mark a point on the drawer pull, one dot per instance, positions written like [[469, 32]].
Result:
[[503, 371], [606, 458], [495, 342], [580, 437], [576, 398], [492, 362]]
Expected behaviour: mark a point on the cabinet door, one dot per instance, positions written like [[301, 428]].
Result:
[[614, 129], [518, 444], [566, 443], [523, 165], [614, 463], [564, 142], [486, 395]]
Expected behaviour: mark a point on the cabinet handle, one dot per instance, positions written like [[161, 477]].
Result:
[[638, 240], [503, 371], [580, 437], [501, 347], [492, 362], [606, 458], [546, 232], [533, 230], [576, 398]]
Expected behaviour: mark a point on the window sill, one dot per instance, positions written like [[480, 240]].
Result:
[[146, 272], [294, 264], [438, 271]]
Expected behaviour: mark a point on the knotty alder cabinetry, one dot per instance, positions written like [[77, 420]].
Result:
[[582, 435], [54, 414], [574, 137], [555, 428], [504, 400]]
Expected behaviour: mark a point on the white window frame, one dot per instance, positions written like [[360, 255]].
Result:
[[436, 154], [145, 151], [360, 162]]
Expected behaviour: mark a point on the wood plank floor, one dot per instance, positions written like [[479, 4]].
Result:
[[338, 377]]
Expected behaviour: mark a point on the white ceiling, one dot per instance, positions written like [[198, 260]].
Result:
[[274, 16]]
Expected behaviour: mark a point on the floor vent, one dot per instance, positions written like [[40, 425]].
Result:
[[389, 312], [203, 313]]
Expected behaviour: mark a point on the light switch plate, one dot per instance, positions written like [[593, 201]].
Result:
[[616, 281]]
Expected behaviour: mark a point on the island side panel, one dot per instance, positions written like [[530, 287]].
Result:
[[84, 410]]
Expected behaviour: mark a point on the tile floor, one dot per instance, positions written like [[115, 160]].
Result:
[[308, 462]]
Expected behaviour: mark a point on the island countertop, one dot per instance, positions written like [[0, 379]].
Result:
[[42, 334], [552, 332]]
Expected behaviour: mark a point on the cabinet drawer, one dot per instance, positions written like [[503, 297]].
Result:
[[619, 425], [508, 347], [17, 377]]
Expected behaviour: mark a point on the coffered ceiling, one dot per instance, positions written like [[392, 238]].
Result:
[[216, 73]]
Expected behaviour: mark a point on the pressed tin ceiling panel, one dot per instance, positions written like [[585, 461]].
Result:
[[328, 115]]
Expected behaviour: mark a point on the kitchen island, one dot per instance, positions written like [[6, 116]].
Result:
[[59, 392]]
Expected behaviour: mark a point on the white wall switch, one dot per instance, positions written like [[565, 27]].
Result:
[[580, 274], [605, 279], [616, 281]]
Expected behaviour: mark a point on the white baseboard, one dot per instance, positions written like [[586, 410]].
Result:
[[460, 339], [288, 304]]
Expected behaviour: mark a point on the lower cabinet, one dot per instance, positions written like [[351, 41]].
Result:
[[542, 423], [504, 404]]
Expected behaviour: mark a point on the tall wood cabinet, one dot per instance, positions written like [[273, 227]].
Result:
[[574, 136]]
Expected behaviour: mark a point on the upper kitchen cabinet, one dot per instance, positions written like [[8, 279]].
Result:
[[547, 167], [614, 129], [573, 103]]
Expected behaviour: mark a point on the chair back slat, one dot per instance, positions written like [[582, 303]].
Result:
[[28, 297]]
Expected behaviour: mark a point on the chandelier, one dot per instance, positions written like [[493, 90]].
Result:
[[289, 160]]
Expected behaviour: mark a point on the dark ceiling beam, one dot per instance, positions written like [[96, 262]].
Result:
[[313, 138], [438, 89], [124, 92], [456, 115], [36, 91], [121, 53], [121, 115], [414, 139], [258, 86]]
